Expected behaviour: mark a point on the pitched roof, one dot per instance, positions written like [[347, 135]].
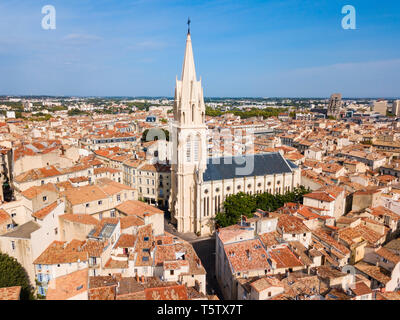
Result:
[[247, 255], [176, 292], [35, 191], [23, 231], [265, 283], [42, 213], [350, 235], [10, 293], [68, 286], [138, 208], [360, 289], [4, 217], [388, 295], [125, 241], [327, 194], [292, 224], [388, 255], [284, 258], [261, 164], [374, 272], [80, 218], [59, 252], [129, 221], [228, 233], [84, 194], [331, 242]]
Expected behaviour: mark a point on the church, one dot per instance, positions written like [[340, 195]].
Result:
[[199, 184]]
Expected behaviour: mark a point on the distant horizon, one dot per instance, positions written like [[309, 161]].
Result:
[[171, 97]]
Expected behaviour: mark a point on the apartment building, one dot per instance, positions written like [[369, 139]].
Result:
[[98, 200], [51, 174], [152, 181]]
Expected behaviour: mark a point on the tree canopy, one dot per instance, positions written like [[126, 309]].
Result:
[[76, 112], [244, 204], [244, 114], [13, 274]]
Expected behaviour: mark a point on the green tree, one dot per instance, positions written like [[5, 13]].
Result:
[[76, 112], [13, 274], [244, 204], [234, 206], [213, 112], [268, 202]]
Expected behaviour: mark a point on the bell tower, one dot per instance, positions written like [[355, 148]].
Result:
[[189, 145]]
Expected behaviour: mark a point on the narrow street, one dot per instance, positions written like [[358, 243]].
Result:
[[205, 249]]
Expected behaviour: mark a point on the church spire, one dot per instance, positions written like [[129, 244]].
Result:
[[188, 70]]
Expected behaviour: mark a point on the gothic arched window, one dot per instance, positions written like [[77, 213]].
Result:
[[192, 112], [188, 149], [196, 147]]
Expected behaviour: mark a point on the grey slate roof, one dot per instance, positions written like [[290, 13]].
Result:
[[23, 231], [105, 232], [260, 164]]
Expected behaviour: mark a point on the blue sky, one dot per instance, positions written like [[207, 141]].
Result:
[[290, 48]]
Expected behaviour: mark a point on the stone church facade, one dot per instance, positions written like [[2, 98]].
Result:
[[199, 184]]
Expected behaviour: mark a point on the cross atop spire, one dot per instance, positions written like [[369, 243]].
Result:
[[188, 23]]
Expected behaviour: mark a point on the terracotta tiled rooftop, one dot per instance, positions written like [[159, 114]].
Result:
[[388, 255], [284, 258], [130, 221], [126, 241], [265, 283], [84, 194], [177, 292], [80, 218], [68, 286], [42, 213], [4, 217], [361, 288], [138, 208], [59, 252], [291, 224], [10, 293], [228, 233], [374, 272], [247, 255], [35, 191]]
